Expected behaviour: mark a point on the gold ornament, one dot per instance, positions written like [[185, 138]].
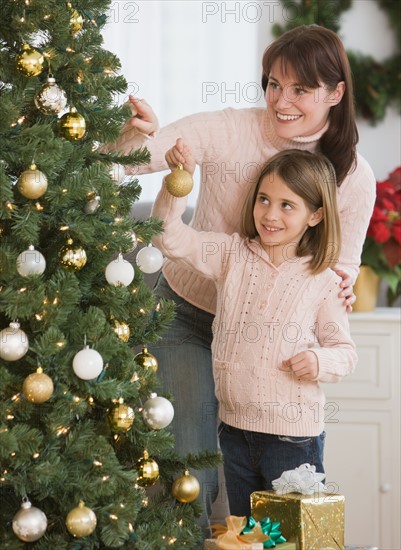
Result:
[[32, 183], [179, 183], [51, 99], [38, 387], [148, 471], [76, 20], [81, 521], [121, 417], [72, 125], [30, 61], [122, 330], [146, 360], [186, 488], [72, 257]]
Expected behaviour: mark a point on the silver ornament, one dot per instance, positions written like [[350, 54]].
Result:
[[117, 173], [31, 262], [158, 412], [93, 205], [51, 99], [30, 523], [13, 343]]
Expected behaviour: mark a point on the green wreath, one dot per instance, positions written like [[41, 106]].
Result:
[[377, 84]]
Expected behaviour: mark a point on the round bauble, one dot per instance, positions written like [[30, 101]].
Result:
[[122, 330], [186, 488], [51, 99], [179, 183], [72, 257], [149, 259], [72, 125], [38, 387], [93, 205], [146, 360], [13, 343], [87, 364], [81, 521], [30, 523], [117, 172], [119, 272], [158, 412], [121, 417], [30, 62], [148, 471], [32, 183], [31, 262]]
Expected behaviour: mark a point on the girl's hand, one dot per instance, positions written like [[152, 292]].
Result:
[[304, 365], [143, 116], [347, 290], [180, 153]]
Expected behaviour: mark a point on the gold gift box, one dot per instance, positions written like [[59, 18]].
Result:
[[211, 544], [313, 522]]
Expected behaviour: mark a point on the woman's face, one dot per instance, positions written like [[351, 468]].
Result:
[[295, 110]]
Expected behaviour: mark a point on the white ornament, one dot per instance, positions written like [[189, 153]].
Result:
[[87, 364], [31, 262], [117, 173], [149, 259], [30, 523], [158, 412], [119, 272], [13, 343]]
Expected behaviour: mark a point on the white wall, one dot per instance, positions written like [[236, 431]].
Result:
[[189, 56]]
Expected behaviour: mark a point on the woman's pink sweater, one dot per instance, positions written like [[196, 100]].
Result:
[[231, 146], [264, 315]]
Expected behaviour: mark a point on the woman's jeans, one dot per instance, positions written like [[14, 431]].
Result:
[[185, 371], [252, 460]]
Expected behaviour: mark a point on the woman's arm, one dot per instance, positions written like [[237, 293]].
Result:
[[356, 198]]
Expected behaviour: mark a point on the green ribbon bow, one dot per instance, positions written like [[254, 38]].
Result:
[[270, 528]]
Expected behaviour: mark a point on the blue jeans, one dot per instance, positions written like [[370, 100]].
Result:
[[185, 371], [252, 460]]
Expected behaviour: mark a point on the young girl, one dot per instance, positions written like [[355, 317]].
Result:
[[309, 106], [280, 328]]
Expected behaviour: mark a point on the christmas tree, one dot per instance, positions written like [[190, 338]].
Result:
[[82, 434]]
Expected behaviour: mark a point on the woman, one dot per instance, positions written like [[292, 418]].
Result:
[[308, 89]]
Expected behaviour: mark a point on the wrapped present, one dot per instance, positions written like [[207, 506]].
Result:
[[241, 533], [313, 522]]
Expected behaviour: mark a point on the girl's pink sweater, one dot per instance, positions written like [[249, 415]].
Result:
[[231, 146], [264, 315]]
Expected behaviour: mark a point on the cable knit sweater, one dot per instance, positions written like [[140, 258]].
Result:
[[231, 146], [264, 315]]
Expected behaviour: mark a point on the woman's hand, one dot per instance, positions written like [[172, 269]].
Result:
[[143, 116], [180, 153], [347, 289]]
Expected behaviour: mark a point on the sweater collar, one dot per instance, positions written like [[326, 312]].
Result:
[[308, 143], [295, 263]]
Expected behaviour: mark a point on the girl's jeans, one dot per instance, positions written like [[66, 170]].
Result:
[[252, 460], [185, 371]]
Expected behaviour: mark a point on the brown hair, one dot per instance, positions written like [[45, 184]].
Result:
[[312, 177], [317, 56]]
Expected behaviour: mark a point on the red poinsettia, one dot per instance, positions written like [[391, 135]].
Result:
[[385, 224], [382, 248]]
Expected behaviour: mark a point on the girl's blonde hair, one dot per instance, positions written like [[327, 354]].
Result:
[[312, 177]]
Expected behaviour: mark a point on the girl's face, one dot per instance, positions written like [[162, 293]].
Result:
[[295, 110], [281, 218]]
